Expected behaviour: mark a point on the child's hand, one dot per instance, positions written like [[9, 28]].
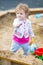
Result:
[[19, 25], [32, 41]]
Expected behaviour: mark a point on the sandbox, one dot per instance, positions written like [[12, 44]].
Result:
[[6, 29]]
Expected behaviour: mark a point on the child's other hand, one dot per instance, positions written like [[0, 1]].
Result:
[[32, 41], [19, 25]]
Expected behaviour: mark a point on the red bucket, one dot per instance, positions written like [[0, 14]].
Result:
[[39, 51]]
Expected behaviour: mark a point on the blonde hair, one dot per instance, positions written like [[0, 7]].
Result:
[[24, 7]]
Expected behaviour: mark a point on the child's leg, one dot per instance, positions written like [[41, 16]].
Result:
[[25, 48], [14, 46]]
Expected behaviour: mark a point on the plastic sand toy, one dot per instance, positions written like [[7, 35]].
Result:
[[39, 57], [38, 15], [33, 47], [39, 53]]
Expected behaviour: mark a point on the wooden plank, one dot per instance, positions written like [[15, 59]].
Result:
[[2, 13], [32, 10], [20, 59], [5, 62], [36, 10], [7, 55]]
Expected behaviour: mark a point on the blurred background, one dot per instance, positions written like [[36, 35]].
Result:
[[9, 4]]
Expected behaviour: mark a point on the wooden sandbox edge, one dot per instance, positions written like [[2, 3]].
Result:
[[12, 11]]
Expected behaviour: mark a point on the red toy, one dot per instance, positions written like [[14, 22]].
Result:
[[39, 51]]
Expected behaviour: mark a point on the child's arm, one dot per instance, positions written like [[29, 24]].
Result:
[[16, 23], [32, 40]]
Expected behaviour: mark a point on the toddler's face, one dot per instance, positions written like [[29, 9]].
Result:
[[20, 14]]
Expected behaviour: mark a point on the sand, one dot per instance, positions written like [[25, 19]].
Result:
[[6, 29]]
